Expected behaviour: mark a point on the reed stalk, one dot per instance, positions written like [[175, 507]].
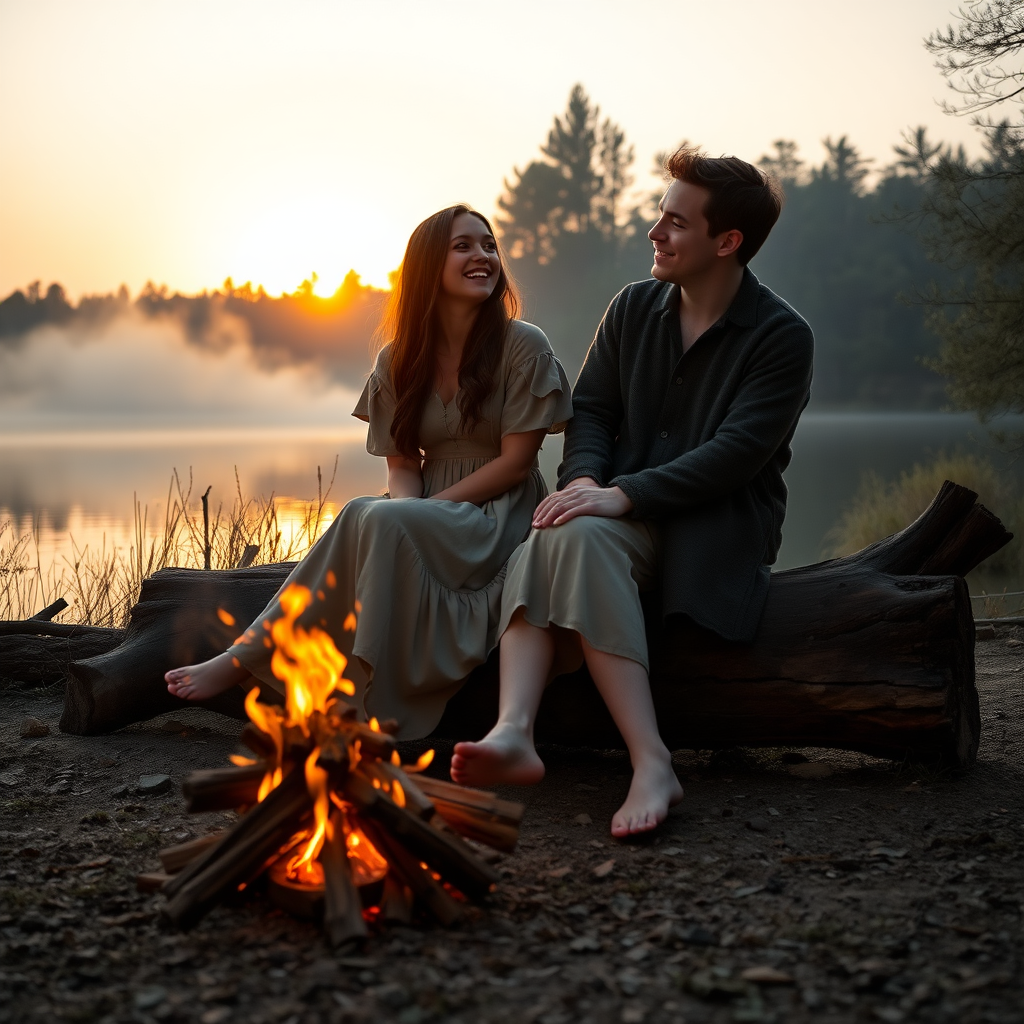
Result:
[[101, 585]]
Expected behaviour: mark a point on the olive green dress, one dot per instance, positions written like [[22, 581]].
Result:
[[428, 574]]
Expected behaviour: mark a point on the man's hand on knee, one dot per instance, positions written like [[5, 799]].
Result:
[[581, 497]]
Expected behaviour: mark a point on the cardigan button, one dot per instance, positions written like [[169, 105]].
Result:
[[679, 380], [664, 433]]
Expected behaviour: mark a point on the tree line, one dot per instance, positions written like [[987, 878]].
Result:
[[843, 252]]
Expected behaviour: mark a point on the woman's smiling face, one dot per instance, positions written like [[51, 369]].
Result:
[[472, 266]]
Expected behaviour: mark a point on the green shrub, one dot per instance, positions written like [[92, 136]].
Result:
[[883, 507]]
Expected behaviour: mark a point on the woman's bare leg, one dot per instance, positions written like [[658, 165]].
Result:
[[626, 690], [207, 679], [507, 754]]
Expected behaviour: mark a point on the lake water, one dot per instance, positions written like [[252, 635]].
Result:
[[81, 487]]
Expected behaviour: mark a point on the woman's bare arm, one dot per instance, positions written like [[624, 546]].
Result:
[[405, 477], [499, 475]]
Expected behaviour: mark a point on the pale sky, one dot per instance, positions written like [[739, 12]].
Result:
[[190, 140]]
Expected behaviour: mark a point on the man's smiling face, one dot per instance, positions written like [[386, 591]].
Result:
[[683, 249]]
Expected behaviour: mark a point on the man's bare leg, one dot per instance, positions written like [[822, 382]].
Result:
[[507, 754], [207, 679], [626, 690]]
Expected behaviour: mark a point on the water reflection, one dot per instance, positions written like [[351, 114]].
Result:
[[80, 490]]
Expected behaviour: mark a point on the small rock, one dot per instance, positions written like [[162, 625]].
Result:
[[150, 996], [605, 868], [119, 791], [747, 890], [585, 944], [583, 819], [890, 1014], [811, 770], [672, 851], [709, 983], [217, 1015], [773, 812], [697, 936], [151, 785], [886, 851], [633, 1015], [392, 994], [33, 921], [758, 824], [33, 728], [765, 975], [559, 872], [811, 998]]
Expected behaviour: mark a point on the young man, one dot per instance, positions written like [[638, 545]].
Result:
[[672, 475]]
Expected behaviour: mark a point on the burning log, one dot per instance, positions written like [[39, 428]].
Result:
[[330, 813], [425, 888], [396, 902], [241, 855], [445, 853], [220, 789], [174, 858], [343, 909]]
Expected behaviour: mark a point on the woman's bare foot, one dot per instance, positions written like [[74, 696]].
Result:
[[200, 682], [652, 792], [505, 756]]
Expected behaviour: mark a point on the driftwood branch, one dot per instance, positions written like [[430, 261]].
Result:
[[50, 610]]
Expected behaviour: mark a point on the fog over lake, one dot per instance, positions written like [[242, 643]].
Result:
[[85, 481], [90, 423]]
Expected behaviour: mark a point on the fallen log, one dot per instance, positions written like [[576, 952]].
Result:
[[871, 652], [38, 652]]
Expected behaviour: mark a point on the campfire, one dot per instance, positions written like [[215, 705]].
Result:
[[330, 817]]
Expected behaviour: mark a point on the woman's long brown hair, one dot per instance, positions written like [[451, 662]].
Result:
[[411, 324]]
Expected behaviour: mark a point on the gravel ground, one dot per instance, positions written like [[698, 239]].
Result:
[[789, 886]]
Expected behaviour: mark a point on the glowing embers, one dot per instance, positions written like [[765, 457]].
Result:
[[331, 818]]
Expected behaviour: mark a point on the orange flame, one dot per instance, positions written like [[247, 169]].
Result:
[[300, 866], [306, 661], [267, 719], [226, 617], [422, 762]]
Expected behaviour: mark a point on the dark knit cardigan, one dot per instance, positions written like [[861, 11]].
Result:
[[697, 441]]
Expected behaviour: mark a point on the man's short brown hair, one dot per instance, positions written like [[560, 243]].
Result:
[[740, 196]]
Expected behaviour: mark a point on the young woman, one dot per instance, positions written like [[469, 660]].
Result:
[[458, 403]]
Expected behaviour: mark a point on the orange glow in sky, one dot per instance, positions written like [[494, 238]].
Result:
[[185, 141]]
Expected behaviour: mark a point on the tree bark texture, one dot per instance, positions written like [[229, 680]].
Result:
[[40, 658], [871, 652]]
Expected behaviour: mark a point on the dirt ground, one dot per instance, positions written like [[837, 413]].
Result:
[[788, 887]]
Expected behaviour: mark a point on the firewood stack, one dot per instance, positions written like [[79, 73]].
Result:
[[329, 812]]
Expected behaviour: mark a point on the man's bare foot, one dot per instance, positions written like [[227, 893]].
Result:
[[505, 756], [652, 792], [200, 682]]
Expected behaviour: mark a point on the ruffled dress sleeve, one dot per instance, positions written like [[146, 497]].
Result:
[[376, 406], [537, 392]]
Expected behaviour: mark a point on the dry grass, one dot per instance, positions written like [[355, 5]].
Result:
[[101, 586], [882, 507]]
